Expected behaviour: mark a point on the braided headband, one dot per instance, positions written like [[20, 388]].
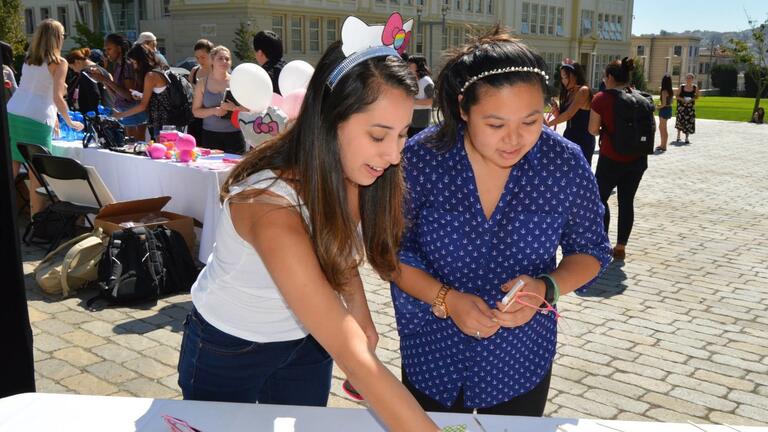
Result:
[[360, 56], [504, 70]]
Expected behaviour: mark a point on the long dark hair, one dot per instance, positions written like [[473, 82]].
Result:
[[307, 154], [575, 72], [494, 50], [666, 86], [620, 70], [145, 62]]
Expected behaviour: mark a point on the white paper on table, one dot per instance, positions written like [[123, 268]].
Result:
[[284, 424]]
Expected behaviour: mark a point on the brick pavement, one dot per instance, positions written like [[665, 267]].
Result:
[[676, 333]]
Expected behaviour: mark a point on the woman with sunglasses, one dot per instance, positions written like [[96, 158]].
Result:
[[492, 195]]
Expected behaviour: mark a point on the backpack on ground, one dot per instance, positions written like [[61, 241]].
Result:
[[72, 265], [634, 124], [47, 226], [107, 132], [180, 96], [141, 264]]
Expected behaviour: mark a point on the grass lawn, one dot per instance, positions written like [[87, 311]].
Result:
[[724, 108]]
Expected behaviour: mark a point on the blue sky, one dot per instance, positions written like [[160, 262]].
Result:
[[677, 16]]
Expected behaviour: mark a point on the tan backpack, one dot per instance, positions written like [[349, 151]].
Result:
[[72, 264]]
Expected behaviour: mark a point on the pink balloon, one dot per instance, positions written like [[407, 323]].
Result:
[[185, 142], [277, 100], [292, 103], [156, 151]]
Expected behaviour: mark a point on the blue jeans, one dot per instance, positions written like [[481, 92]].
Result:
[[216, 366]]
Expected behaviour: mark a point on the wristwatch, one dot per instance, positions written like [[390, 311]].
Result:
[[439, 307]]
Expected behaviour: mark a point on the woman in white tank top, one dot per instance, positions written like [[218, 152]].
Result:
[[32, 108], [281, 286]]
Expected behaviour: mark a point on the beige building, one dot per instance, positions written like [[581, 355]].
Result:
[[673, 55], [592, 32]]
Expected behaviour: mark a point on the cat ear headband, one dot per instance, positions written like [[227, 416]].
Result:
[[361, 42]]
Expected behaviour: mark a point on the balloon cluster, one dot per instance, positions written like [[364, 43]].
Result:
[[176, 145], [268, 112]]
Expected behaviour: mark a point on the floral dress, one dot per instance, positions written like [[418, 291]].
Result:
[[685, 120]]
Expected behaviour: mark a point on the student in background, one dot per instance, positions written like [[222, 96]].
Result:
[[685, 120], [123, 85], [573, 107], [422, 109], [202, 51], [615, 170], [268, 49], [32, 108], [666, 95]]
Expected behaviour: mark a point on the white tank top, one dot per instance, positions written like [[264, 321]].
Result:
[[34, 97], [235, 292]]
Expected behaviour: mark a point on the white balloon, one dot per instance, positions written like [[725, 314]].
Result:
[[251, 86], [295, 75]]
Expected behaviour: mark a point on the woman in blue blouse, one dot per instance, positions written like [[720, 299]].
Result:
[[492, 196]]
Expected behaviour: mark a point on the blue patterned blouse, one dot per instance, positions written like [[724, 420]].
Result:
[[550, 200]]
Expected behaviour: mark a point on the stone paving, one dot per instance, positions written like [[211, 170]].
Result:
[[679, 332]]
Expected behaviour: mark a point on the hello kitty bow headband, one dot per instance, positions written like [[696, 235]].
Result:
[[361, 42]]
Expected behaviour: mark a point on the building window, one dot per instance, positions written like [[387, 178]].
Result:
[[560, 13], [479, 6], [534, 18], [676, 70], [278, 26], [29, 20], [620, 24], [490, 7], [297, 33], [166, 8], [542, 19], [586, 21], [678, 50], [331, 31], [551, 21], [456, 37], [524, 25], [314, 34], [468, 4], [45, 13], [62, 12], [641, 50]]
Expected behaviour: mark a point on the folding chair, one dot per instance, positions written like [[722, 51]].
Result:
[[79, 190], [27, 150]]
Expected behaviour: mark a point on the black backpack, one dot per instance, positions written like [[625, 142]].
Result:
[[106, 131], [142, 264], [181, 94], [46, 226], [634, 124]]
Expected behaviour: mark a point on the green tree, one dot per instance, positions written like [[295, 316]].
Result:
[[87, 38], [724, 78], [750, 85], [637, 77], [243, 43], [11, 25], [753, 59]]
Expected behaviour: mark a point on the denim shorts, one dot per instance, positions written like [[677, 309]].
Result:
[[216, 366], [665, 112], [135, 120]]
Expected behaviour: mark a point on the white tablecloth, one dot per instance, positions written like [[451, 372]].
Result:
[[33, 412], [194, 192]]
